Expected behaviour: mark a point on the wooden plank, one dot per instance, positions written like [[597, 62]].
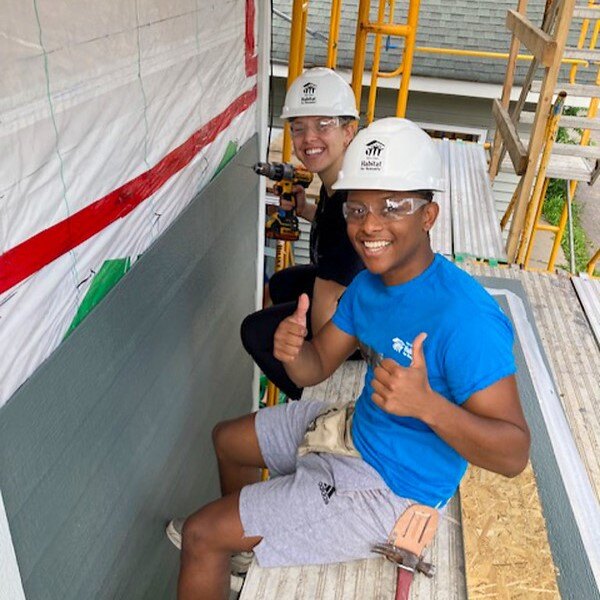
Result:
[[586, 12], [582, 54], [562, 167], [547, 25], [514, 146], [497, 147], [567, 121], [590, 152], [539, 43], [572, 89]]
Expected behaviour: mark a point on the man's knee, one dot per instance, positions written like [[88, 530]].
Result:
[[200, 532], [235, 442], [221, 436]]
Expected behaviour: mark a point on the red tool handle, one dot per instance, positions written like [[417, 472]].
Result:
[[403, 585]]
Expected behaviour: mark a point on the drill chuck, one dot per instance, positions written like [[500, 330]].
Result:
[[283, 172]]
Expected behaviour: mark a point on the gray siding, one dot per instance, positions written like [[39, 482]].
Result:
[[111, 436]]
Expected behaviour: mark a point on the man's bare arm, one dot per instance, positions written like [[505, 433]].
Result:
[[489, 429]]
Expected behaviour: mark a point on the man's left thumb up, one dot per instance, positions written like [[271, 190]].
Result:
[[418, 356]]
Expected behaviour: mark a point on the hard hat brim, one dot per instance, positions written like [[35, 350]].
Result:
[[392, 184]]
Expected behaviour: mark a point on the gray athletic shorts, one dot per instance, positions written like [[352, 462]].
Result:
[[316, 509]]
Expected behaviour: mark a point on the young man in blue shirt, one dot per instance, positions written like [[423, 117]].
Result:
[[439, 392]]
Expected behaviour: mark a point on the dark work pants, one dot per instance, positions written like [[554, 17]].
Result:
[[258, 329]]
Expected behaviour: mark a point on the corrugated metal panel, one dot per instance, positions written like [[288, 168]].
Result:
[[588, 291], [503, 188], [475, 226], [441, 234]]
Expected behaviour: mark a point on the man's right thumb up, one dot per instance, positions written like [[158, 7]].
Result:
[[300, 315]]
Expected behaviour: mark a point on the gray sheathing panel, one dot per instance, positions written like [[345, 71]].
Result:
[[111, 435], [576, 577]]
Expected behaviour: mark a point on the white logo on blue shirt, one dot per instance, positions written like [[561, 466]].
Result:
[[404, 348]]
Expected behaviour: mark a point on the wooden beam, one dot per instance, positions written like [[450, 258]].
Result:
[[563, 21], [550, 13], [497, 148], [539, 43], [510, 137]]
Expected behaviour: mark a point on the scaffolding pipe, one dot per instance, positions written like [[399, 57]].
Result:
[[533, 209], [591, 266], [571, 236], [376, 60], [295, 63], [334, 33], [407, 61], [312, 32]]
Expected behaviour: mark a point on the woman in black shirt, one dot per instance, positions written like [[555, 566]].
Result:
[[320, 108]]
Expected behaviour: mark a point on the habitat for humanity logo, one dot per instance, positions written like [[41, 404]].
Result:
[[404, 348], [373, 159], [308, 93]]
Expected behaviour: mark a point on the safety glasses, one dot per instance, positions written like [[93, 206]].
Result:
[[321, 125], [392, 209]]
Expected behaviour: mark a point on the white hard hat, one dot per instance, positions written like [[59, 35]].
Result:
[[319, 92], [391, 154]]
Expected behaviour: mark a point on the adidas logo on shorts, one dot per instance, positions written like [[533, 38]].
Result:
[[326, 491]]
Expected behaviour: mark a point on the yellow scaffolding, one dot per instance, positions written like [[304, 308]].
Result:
[[381, 27]]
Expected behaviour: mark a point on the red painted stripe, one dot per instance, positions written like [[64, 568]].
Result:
[[30, 256], [250, 58]]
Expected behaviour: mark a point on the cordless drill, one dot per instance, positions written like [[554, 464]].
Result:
[[283, 225]]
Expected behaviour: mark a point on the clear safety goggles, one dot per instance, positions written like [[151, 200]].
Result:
[[321, 125], [393, 209]]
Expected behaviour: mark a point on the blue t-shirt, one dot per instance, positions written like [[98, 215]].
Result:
[[468, 348]]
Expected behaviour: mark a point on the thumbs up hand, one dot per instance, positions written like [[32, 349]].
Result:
[[400, 390], [291, 332]]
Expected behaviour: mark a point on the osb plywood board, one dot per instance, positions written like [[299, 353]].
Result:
[[507, 555]]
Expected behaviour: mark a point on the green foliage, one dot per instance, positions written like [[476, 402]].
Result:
[[553, 206], [556, 197]]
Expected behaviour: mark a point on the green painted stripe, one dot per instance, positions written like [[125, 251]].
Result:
[[229, 153], [108, 276]]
